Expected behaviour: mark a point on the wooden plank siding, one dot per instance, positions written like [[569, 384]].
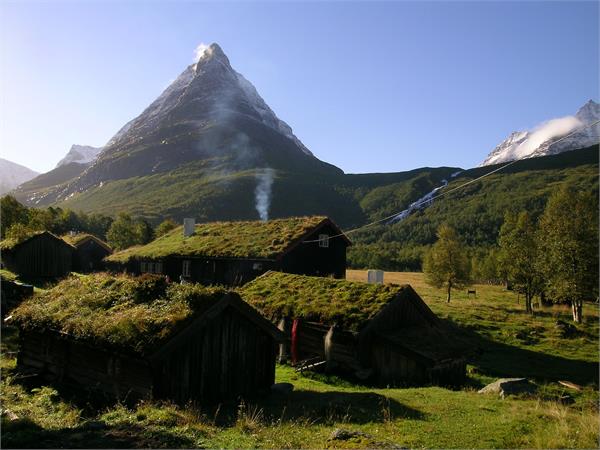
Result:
[[43, 255], [67, 361], [230, 357], [89, 255], [392, 362]]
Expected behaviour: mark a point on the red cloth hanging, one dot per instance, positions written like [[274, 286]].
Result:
[[294, 348]]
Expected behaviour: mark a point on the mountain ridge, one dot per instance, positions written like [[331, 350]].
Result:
[[549, 137], [13, 174]]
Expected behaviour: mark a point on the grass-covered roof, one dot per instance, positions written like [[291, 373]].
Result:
[[9, 244], [249, 239], [349, 304], [79, 238], [132, 313]]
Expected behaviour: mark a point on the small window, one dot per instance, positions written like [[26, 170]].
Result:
[[324, 240], [150, 267], [143, 267], [257, 266], [186, 270], [158, 267]]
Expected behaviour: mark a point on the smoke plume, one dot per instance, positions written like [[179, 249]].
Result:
[[262, 193], [548, 130], [199, 51]]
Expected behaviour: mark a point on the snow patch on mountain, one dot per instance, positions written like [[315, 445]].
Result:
[[81, 154], [549, 138]]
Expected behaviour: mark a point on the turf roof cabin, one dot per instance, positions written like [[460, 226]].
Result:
[[89, 252], [134, 338], [42, 255], [382, 332], [233, 253]]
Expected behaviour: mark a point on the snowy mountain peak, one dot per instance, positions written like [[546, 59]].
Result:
[[589, 112], [81, 154], [208, 113], [213, 54], [551, 137]]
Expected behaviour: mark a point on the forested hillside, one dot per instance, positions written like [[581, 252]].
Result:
[[475, 211]]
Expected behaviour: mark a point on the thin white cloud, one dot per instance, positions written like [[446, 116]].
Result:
[[199, 51]]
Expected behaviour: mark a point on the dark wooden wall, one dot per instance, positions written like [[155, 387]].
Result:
[[88, 256], [41, 256], [310, 259], [64, 360], [228, 358], [393, 366]]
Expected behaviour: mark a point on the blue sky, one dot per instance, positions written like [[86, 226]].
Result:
[[367, 86]]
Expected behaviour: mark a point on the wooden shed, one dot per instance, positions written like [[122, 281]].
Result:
[[41, 255], [382, 332], [89, 252], [233, 253], [133, 338]]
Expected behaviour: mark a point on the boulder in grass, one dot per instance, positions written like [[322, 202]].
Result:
[[341, 438], [282, 388], [509, 386]]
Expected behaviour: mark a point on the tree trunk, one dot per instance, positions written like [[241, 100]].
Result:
[[528, 306], [577, 308], [544, 300], [449, 289]]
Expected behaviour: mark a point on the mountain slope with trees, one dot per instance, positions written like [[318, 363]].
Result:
[[476, 211]]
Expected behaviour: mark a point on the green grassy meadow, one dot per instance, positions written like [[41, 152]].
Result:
[[509, 343]]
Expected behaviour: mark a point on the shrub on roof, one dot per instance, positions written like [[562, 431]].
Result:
[[349, 304], [133, 313]]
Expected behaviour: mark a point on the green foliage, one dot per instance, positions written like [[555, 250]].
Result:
[[16, 234], [126, 232], [485, 266], [569, 247], [519, 255], [165, 226], [476, 211], [119, 311], [326, 300], [27, 221], [447, 264], [235, 239], [11, 213], [388, 256]]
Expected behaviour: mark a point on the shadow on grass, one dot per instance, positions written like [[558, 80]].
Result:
[[335, 406], [496, 359], [24, 433]]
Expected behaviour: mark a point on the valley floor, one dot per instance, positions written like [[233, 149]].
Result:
[[510, 343]]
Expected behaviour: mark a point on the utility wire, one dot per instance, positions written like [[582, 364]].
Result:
[[441, 194]]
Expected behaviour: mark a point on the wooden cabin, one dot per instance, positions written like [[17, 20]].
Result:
[[90, 252], [385, 333], [233, 253], [39, 256], [147, 339]]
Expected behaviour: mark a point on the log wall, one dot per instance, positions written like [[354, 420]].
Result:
[[228, 358], [65, 360]]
